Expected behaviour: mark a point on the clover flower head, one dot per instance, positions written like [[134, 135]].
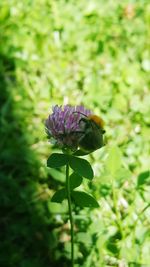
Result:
[[63, 125]]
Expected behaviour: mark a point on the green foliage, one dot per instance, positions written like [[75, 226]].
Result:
[[81, 167], [113, 163], [143, 178], [95, 53], [84, 200], [75, 180], [57, 160], [59, 196]]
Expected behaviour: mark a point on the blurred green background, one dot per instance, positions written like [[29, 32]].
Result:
[[94, 53]]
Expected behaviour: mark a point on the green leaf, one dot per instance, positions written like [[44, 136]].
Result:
[[75, 180], [83, 199], [113, 163], [143, 177], [123, 174], [59, 196], [81, 166], [80, 152], [85, 238], [135, 264], [57, 160], [57, 175]]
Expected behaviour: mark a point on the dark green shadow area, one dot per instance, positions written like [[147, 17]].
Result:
[[25, 223]]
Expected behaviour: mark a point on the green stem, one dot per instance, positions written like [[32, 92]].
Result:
[[118, 219], [70, 214]]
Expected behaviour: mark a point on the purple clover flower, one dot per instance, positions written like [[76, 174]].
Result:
[[63, 125]]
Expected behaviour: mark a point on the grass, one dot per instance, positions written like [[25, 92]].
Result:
[[95, 53]]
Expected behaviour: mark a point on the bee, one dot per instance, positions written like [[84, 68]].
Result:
[[91, 137]]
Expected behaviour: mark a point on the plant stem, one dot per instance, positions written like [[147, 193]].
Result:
[[70, 214]]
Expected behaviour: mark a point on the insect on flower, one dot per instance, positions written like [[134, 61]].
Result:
[[92, 135], [75, 127]]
